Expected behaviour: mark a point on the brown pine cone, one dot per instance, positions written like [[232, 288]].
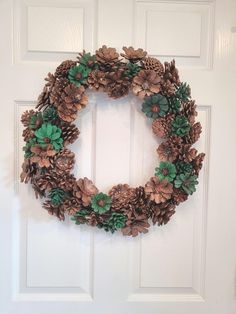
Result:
[[161, 127], [63, 69], [70, 133], [27, 134], [167, 88], [44, 99], [153, 64], [138, 200], [26, 117], [29, 170], [64, 161], [158, 191], [194, 134], [117, 84], [71, 205], [73, 99], [84, 189], [187, 154], [179, 196], [171, 73], [133, 55], [43, 183], [167, 151], [146, 83], [197, 163], [161, 213], [136, 224], [189, 111], [106, 57], [66, 182], [97, 80], [121, 195], [51, 80], [55, 210], [57, 90]]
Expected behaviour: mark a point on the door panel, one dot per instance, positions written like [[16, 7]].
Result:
[[187, 266]]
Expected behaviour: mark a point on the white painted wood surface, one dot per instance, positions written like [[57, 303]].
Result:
[[185, 267]]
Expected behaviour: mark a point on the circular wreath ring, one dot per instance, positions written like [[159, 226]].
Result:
[[49, 130]]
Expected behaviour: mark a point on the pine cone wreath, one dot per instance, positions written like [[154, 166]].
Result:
[[64, 161], [158, 191], [162, 127], [133, 55], [146, 83], [153, 64], [63, 69], [84, 189], [70, 133]]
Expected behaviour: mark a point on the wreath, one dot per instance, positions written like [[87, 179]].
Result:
[[49, 129]]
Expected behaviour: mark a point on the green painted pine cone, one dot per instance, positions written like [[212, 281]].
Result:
[[155, 106]]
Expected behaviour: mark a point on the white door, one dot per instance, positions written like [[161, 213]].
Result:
[[185, 267]]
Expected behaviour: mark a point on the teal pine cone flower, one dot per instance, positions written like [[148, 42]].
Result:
[[101, 203], [50, 115], [183, 167], [87, 60], [187, 182], [180, 126], [166, 170], [155, 106], [78, 75], [49, 134], [115, 222], [57, 196], [183, 92], [132, 69]]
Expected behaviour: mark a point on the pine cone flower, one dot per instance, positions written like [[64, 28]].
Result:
[[42, 155], [70, 133], [71, 205], [106, 56], [158, 191], [146, 83], [57, 196], [121, 195], [180, 126], [87, 60], [187, 153], [171, 73], [167, 88], [97, 80], [78, 75], [167, 151], [84, 189], [63, 69], [153, 64], [26, 117], [187, 182], [166, 170], [101, 203], [161, 213], [162, 126], [116, 221], [49, 134], [155, 106], [138, 200], [43, 183], [135, 225], [117, 84], [133, 55], [64, 161], [194, 134]]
